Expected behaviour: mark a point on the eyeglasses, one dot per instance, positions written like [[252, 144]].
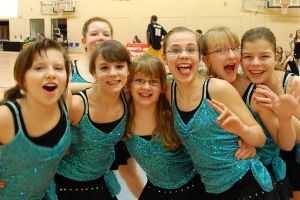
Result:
[[139, 81], [177, 51], [224, 52]]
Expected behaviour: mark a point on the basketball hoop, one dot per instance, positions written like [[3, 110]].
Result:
[[284, 7], [60, 11]]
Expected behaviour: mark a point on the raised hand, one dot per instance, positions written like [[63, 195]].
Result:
[[227, 119]]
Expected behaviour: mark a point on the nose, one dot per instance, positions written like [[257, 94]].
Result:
[[50, 72], [147, 85], [231, 53], [112, 72], [256, 61], [100, 37]]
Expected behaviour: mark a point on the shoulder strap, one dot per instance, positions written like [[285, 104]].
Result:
[[16, 112], [85, 101], [285, 80], [248, 99]]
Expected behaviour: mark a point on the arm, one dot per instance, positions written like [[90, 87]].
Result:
[[234, 117], [7, 126], [76, 86], [276, 112], [132, 176]]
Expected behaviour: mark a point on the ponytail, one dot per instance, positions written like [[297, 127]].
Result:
[[12, 94]]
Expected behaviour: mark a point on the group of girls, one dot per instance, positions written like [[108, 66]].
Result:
[[192, 135]]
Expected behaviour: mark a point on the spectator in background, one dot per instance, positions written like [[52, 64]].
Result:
[[295, 45], [136, 39], [155, 33], [289, 63], [199, 33]]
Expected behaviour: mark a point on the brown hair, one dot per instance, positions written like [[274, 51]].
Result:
[[259, 33], [111, 51], [95, 19], [152, 66], [24, 62]]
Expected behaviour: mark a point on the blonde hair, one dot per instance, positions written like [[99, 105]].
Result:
[[217, 37], [152, 66]]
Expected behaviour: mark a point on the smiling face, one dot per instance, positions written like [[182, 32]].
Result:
[[97, 32], [46, 79], [145, 89], [183, 65], [111, 76], [258, 60]]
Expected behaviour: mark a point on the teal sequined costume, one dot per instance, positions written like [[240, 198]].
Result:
[[27, 169], [212, 149], [164, 168], [269, 153], [76, 77], [92, 151]]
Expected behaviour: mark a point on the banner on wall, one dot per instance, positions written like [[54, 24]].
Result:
[[136, 49]]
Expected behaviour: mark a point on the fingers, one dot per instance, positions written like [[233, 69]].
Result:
[[215, 105]]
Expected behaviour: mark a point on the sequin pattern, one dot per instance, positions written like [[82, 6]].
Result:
[[28, 169], [164, 168], [269, 153], [91, 151], [212, 150]]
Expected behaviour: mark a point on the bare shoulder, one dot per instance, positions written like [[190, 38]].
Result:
[[222, 90], [76, 109], [6, 125]]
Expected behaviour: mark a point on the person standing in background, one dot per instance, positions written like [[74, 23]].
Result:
[[295, 46], [155, 33]]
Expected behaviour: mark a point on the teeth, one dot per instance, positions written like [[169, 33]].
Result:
[[256, 72], [184, 65], [113, 82], [145, 95]]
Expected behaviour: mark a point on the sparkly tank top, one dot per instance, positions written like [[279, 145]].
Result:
[[27, 169], [212, 149], [269, 153], [285, 82], [168, 169], [76, 77], [92, 150]]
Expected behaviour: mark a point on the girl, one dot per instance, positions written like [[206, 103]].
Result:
[[94, 31], [295, 45], [98, 117], [221, 49], [258, 61], [34, 122], [204, 118], [152, 141]]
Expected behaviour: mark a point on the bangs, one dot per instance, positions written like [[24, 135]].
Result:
[[221, 39]]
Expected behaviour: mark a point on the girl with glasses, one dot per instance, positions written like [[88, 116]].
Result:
[[210, 117], [151, 138], [279, 131]]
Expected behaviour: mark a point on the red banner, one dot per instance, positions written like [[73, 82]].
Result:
[[136, 49]]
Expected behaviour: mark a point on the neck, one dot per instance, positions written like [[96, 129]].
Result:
[[103, 97], [37, 109]]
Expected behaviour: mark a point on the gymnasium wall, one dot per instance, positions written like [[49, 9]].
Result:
[[131, 17]]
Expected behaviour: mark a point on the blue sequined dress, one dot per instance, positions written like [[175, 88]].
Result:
[[212, 150], [91, 156], [269, 153], [26, 168], [76, 77], [170, 173]]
